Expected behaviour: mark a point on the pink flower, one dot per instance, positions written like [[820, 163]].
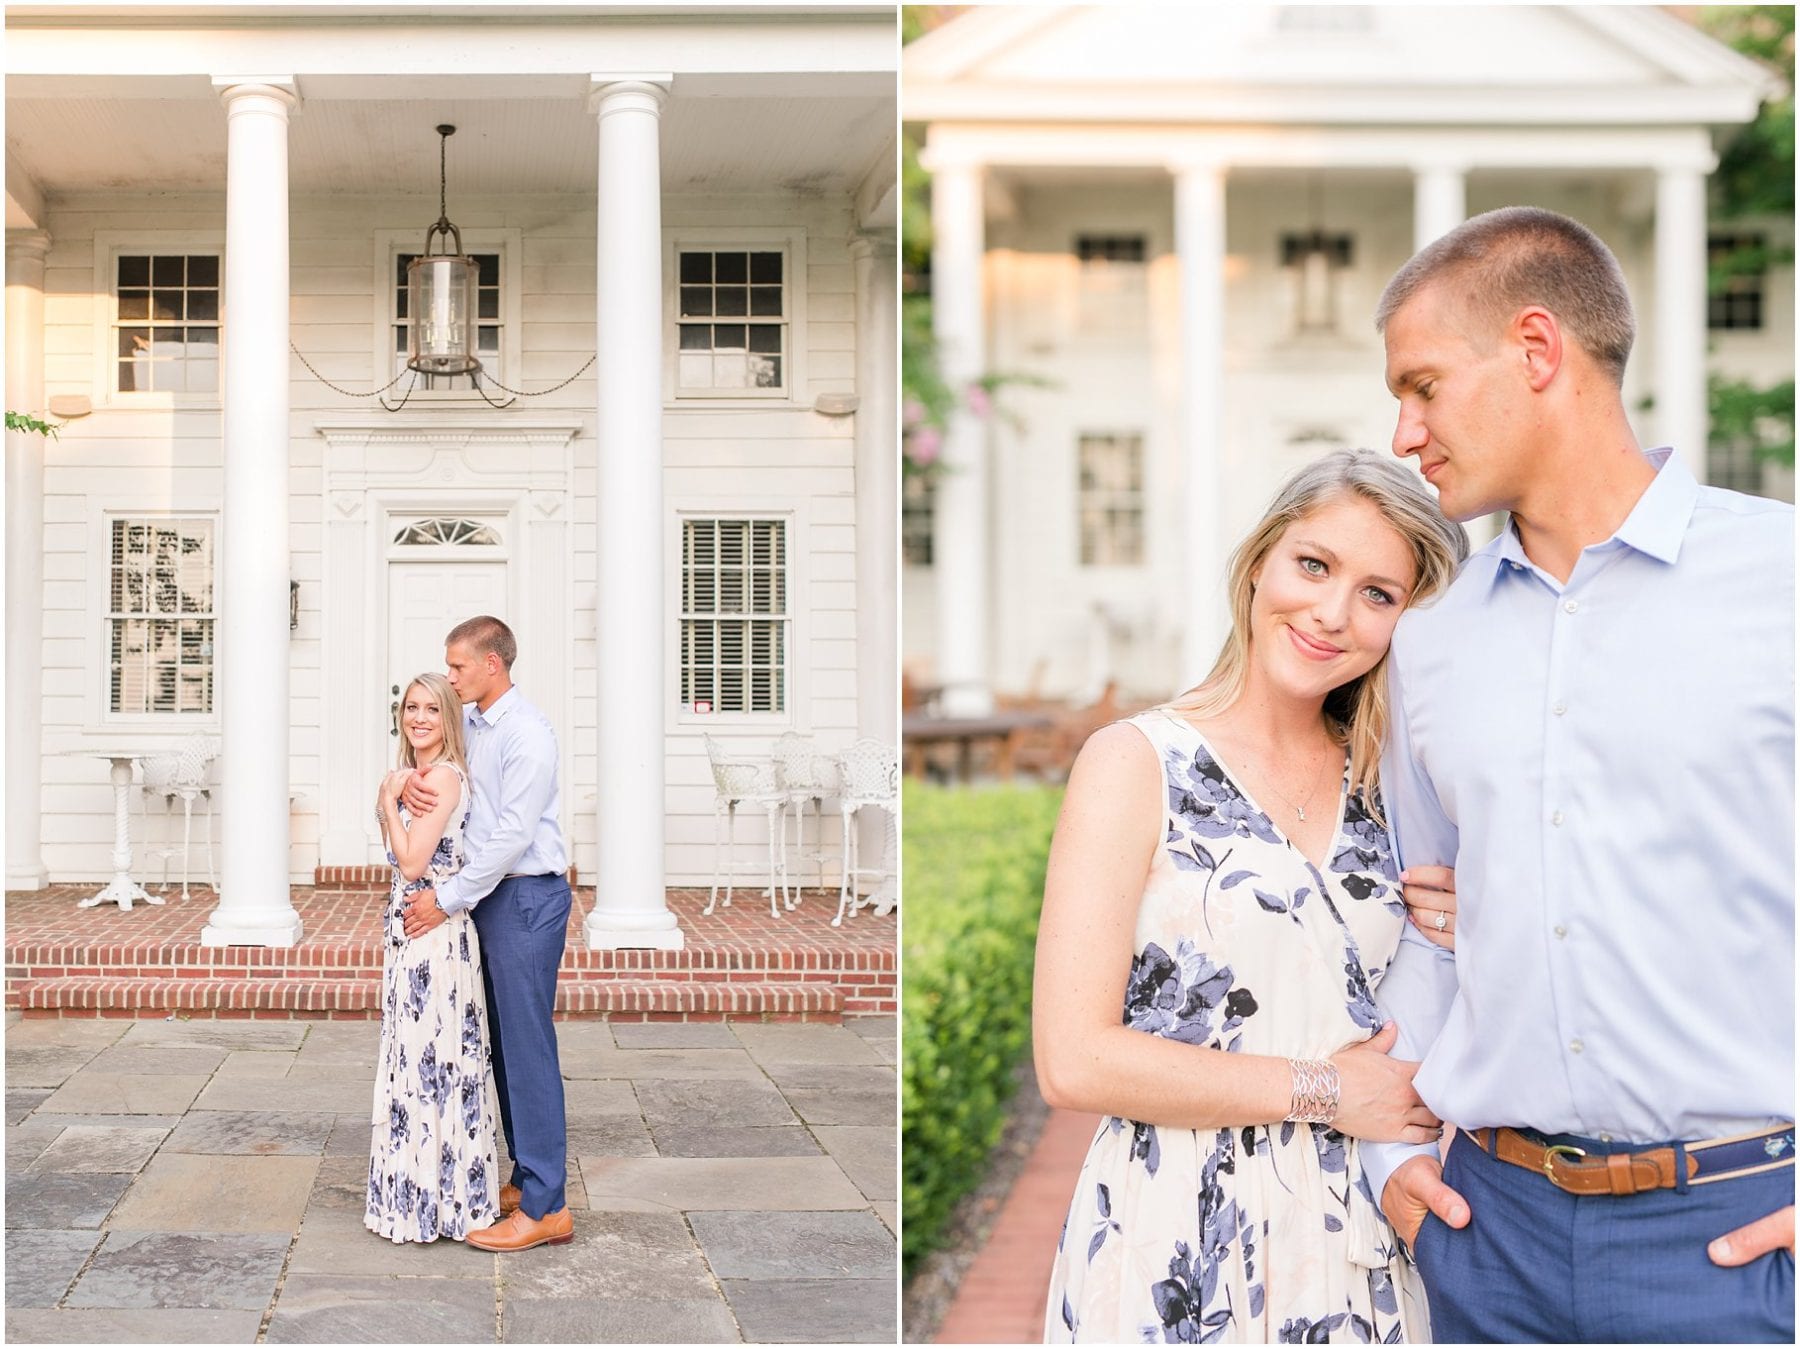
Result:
[[978, 400], [912, 412], [923, 444]]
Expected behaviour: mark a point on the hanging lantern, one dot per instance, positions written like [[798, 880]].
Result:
[[441, 295]]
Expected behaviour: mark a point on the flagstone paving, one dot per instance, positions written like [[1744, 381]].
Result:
[[202, 1182]]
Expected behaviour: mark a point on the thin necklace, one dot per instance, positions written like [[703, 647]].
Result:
[[1300, 808]]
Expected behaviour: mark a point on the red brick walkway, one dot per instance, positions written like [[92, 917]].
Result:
[[1001, 1298], [66, 960]]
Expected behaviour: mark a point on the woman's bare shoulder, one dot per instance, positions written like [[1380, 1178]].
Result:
[[1117, 757]]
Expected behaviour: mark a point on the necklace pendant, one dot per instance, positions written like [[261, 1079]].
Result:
[[1301, 812]]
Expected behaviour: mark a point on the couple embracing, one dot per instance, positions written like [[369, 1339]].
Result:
[[1557, 1104], [477, 916]]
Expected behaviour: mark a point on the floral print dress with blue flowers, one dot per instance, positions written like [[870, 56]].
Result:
[[1261, 1233], [432, 1165]]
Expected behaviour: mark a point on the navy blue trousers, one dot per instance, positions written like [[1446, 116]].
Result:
[[1536, 1264], [524, 924]]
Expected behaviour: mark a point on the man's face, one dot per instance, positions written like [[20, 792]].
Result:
[[468, 670], [1464, 409]]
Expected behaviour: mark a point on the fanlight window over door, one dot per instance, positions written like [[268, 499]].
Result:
[[448, 531]]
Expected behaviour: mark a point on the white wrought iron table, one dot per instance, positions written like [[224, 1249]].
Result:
[[121, 889]]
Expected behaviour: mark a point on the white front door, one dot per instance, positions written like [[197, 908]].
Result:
[[425, 600]]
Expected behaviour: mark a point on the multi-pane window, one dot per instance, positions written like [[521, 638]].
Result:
[[733, 324], [1109, 247], [166, 333], [487, 322], [734, 615], [1111, 500], [1737, 303], [918, 512], [159, 618]]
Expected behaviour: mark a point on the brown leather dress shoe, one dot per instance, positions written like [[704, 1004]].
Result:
[[509, 1200], [520, 1232]]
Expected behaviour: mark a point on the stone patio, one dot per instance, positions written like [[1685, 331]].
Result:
[[201, 1181]]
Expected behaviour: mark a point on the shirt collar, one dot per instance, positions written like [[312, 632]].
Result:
[[1655, 527], [497, 709]]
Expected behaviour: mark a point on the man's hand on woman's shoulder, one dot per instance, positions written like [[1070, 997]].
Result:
[[419, 793]]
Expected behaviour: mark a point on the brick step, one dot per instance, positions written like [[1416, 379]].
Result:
[[188, 960], [360, 998]]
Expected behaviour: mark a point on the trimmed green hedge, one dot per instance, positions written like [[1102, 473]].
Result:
[[974, 861]]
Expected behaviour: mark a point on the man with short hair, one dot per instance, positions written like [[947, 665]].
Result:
[[516, 882], [1595, 726]]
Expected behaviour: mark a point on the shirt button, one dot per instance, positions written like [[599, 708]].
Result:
[[1570, 606], [1556, 819], [1560, 930], [1559, 708], [1575, 1046]]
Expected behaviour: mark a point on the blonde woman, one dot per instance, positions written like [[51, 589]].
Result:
[[432, 1165], [1221, 871]]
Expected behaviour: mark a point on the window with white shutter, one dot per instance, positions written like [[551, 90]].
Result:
[[160, 619], [734, 615]]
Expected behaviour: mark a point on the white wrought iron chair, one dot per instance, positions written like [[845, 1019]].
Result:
[[181, 775], [745, 781], [805, 775], [870, 776]]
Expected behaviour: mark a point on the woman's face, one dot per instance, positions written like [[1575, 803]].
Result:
[[422, 719], [1326, 598]]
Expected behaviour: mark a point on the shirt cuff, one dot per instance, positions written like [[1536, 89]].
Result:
[[1381, 1160], [450, 901]]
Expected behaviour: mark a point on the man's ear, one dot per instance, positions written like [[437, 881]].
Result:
[[1538, 337]]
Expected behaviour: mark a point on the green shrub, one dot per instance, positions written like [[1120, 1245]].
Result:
[[974, 861]]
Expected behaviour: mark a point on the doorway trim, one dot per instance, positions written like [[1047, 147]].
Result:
[[518, 473]]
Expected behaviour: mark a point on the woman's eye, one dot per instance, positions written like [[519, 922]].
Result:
[[1312, 566], [1378, 596]]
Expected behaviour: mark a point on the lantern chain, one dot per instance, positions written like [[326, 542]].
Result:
[[539, 393], [348, 393]]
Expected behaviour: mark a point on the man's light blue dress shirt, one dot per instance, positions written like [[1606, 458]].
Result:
[[1609, 765], [513, 827]]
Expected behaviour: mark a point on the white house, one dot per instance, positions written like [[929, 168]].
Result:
[[1181, 217], [684, 223]]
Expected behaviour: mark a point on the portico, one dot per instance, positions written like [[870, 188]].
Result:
[[581, 183]]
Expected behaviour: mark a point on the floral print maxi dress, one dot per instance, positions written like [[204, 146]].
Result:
[[432, 1166], [1262, 1232]]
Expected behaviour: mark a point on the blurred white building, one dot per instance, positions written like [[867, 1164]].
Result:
[[684, 222], [1181, 217]]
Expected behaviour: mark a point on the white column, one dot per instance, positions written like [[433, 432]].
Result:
[[1440, 201], [1440, 204], [25, 253], [1679, 372], [252, 681], [877, 511], [960, 542], [1200, 245], [630, 908]]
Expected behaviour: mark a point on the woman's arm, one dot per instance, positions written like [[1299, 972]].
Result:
[[412, 848], [1106, 837]]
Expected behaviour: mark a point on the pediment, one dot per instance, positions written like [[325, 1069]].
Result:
[[1409, 63]]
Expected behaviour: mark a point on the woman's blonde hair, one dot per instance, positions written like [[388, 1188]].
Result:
[[451, 706], [1355, 713]]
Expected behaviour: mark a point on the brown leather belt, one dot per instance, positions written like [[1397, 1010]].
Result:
[[1620, 1173]]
